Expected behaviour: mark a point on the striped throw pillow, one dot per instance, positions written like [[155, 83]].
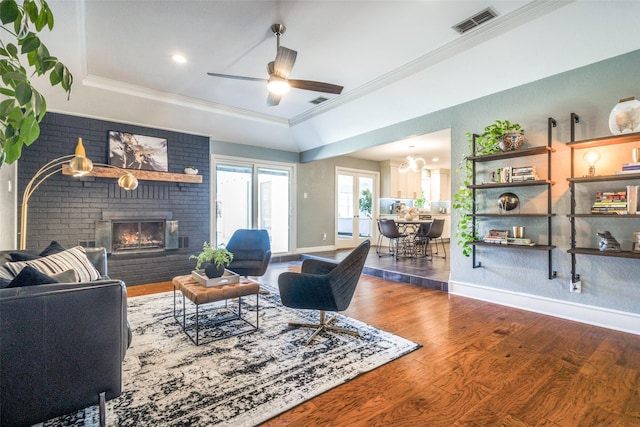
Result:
[[4, 273], [71, 259]]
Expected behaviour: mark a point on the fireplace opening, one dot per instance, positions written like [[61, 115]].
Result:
[[137, 235], [129, 232]]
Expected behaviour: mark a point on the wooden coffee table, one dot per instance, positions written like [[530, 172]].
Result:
[[199, 295]]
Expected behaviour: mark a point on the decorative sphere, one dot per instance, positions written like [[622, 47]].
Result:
[[509, 201]]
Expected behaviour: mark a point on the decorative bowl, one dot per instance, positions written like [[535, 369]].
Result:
[[191, 171], [512, 141]]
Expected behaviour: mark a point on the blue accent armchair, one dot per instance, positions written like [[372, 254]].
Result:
[[251, 251]]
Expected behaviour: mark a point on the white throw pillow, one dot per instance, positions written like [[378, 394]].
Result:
[[72, 259]]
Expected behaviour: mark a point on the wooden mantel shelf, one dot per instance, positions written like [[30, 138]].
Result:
[[104, 172]]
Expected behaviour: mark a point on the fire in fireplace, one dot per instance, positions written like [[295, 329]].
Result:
[[131, 232], [128, 236]]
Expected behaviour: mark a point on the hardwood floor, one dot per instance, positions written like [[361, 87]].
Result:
[[480, 364]]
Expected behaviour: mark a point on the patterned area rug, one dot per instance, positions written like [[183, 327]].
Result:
[[236, 381]]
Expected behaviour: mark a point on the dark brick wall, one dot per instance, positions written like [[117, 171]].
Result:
[[66, 209]]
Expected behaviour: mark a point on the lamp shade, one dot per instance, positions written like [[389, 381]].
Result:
[[128, 182], [80, 166]]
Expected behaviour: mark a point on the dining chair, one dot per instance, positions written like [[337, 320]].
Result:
[[389, 229], [380, 238], [421, 239], [435, 233]]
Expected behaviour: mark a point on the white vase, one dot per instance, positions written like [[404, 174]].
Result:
[[625, 117]]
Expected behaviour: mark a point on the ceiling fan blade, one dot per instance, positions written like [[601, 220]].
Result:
[[284, 61], [229, 76], [273, 99], [316, 86]]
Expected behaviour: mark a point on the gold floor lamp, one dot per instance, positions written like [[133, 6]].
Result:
[[79, 165]]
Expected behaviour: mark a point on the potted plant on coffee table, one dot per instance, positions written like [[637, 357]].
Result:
[[215, 260]]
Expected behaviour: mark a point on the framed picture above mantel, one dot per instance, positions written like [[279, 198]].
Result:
[[131, 151]]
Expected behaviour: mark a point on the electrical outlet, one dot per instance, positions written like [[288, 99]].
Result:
[[575, 286], [324, 236]]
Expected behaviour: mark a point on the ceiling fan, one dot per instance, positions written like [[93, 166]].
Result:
[[278, 82]]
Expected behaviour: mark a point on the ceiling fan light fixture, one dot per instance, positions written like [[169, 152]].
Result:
[[278, 85]]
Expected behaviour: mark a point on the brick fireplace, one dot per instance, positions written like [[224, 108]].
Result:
[[70, 210]]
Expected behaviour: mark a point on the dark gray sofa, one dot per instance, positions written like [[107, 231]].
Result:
[[61, 346]]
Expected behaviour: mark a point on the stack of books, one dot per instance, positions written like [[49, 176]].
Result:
[[497, 236], [522, 241], [630, 168], [610, 202], [526, 173]]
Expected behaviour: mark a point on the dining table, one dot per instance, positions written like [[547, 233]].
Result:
[[409, 227]]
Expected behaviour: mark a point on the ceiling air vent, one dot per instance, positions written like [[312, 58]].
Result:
[[318, 100], [475, 20]]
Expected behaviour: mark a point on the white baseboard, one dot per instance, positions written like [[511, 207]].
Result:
[[597, 316]]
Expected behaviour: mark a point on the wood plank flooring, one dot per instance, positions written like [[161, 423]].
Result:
[[480, 364]]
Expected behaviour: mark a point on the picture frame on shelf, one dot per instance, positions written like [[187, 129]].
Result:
[[131, 151]]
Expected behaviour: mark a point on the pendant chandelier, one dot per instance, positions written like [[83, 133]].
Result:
[[414, 164]]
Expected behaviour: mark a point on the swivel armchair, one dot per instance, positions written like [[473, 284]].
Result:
[[251, 251], [324, 286]]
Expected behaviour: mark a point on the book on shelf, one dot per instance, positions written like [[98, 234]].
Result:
[[630, 166], [524, 170], [610, 194], [499, 233], [523, 241], [611, 204], [496, 240], [520, 178], [628, 171], [610, 212]]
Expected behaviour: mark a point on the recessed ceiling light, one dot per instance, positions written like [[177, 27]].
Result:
[[179, 59], [435, 159]]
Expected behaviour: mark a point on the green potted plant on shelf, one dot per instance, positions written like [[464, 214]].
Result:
[[216, 260], [500, 135], [489, 142]]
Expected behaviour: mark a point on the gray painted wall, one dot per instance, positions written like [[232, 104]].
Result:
[[316, 214], [8, 203], [590, 92]]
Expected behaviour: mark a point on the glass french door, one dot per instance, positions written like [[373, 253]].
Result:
[[356, 195], [249, 195]]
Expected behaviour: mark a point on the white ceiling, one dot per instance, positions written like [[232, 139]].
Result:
[[396, 60]]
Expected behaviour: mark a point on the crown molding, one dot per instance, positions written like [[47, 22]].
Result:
[[182, 101]]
